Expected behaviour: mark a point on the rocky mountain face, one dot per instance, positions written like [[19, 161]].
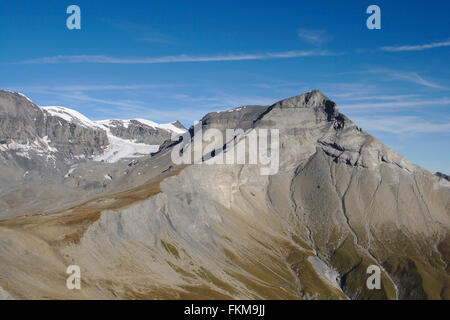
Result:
[[340, 202]]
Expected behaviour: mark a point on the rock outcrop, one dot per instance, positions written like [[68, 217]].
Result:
[[443, 176]]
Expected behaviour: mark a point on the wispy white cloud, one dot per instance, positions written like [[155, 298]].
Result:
[[349, 96], [278, 84], [141, 31], [402, 125], [80, 96], [412, 77], [157, 37], [221, 100], [71, 97], [194, 107], [391, 74], [185, 115], [175, 59], [415, 78], [314, 37], [91, 87], [94, 87], [400, 104], [419, 47]]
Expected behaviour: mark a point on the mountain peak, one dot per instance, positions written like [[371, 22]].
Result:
[[179, 125], [314, 99], [311, 99], [314, 94]]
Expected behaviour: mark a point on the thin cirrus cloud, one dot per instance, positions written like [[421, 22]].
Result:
[[412, 77], [415, 78], [174, 59], [314, 37], [93, 87], [350, 96], [419, 47], [402, 125], [156, 37], [80, 96], [400, 104], [185, 115]]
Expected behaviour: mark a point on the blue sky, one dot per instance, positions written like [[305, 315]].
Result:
[[168, 60]]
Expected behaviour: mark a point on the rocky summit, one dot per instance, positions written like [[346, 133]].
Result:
[[107, 197]]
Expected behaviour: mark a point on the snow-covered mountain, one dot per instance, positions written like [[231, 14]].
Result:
[[127, 138], [57, 145], [55, 132]]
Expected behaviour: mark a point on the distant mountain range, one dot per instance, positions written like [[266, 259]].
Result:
[[47, 145]]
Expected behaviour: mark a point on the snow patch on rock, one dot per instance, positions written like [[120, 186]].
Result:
[[327, 273], [71, 115], [121, 148], [40, 147]]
